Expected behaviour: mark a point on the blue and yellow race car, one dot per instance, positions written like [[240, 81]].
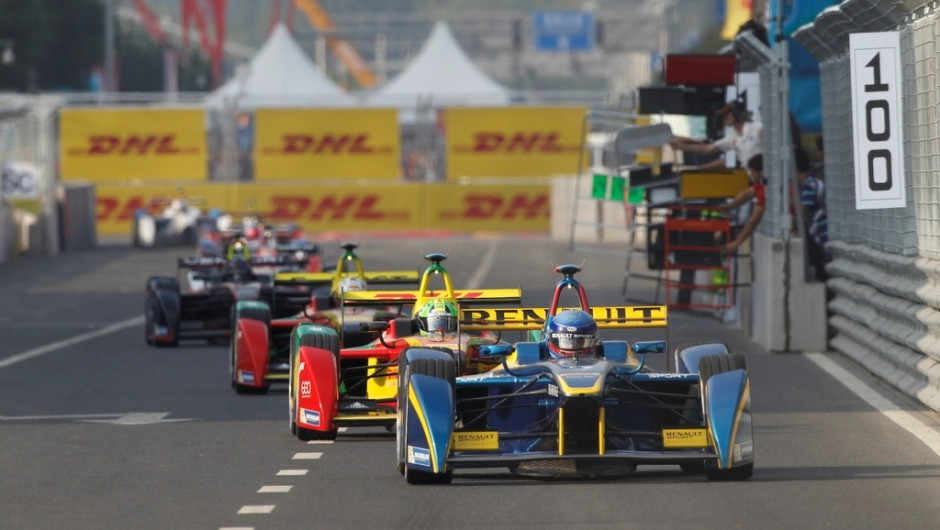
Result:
[[567, 404]]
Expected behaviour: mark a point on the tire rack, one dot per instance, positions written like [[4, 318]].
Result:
[[691, 244]]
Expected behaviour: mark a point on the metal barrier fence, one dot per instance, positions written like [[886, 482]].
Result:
[[885, 268]]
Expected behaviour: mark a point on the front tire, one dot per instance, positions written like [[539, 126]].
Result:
[[713, 365], [442, 368], [324, 341]]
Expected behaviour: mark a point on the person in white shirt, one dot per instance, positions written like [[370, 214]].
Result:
[[744, 137]]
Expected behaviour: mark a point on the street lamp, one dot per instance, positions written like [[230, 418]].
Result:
[[6, 56]]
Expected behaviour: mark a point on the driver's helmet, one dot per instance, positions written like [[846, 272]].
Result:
[[572, 333], [238, 249], [438, 320], [352, 283]]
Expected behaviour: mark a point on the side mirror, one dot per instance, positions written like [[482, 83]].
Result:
[[649, 346], [490, 351]]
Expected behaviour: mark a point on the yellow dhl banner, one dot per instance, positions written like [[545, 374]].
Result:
[[737, 12], [513, 142], [112, 145], [326, 143], [371, 205]]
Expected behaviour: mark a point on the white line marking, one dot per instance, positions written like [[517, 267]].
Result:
[[42, 350], [292, 472], [257, 508], [307, 456], [275, 489], [485, 265], [237, 528], [311, 442], [893, 412]]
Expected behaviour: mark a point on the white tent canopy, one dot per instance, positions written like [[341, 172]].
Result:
[[440, 75], [280, 75]]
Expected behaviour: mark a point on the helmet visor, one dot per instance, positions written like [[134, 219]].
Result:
[[572, 342], [440, 322]]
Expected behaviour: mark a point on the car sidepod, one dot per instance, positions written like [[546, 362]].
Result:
[[426, 416], [314, 383], [250, 345], [727, 404], [162, 311]]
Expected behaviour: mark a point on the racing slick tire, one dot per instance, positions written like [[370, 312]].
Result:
[[251, 313], [707, 367], [323, 341], [154, 311], [439, 367]]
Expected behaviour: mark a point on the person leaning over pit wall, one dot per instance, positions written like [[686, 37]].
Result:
[[744, 138]]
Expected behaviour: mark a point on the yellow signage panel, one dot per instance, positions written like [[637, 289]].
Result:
[[499, 208], [326, 143], [513, 142], [122, 144]]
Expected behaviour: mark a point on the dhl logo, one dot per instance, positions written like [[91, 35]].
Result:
[[300, 144], [132, 145], [332, 208], [502, 207], [494, 142], [114, 209]]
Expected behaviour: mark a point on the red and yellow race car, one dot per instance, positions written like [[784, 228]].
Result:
[[334, 384], [260, 346]]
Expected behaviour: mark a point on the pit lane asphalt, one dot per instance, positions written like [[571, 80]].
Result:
[[74, 455]]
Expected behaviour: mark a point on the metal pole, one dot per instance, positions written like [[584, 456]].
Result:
[[108, 84]]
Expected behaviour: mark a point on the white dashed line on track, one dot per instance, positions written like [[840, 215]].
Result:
[[292, 472], [307, 456], [256, 508], [275, 489]]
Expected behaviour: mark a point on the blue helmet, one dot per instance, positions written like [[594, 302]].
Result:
[[572, 333]]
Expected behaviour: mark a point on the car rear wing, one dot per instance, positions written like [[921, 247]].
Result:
[[464, 296], [324, 278], [201, 263], [533, 318]]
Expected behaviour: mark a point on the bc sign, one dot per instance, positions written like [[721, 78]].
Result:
[[563, 31], [20, 180], [876, 109]]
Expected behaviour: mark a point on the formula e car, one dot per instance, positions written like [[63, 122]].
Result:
[[176, 222], [332, 386], [260, 352], [599, 414], [203, 310]]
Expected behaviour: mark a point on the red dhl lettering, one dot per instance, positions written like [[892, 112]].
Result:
[[132, 145], [462, 295], [299, 144], [332, 208], [492, 142], [113, 209], [502, 207]]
